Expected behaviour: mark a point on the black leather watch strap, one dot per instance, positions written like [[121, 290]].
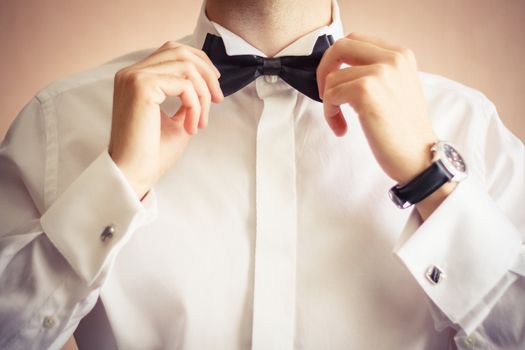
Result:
[[421, 186]]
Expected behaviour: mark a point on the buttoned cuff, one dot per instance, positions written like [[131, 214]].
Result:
[[95, 216], [469, 240]]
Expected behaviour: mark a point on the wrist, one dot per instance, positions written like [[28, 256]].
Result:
[[416, 164], [140, 187], [430, 188]]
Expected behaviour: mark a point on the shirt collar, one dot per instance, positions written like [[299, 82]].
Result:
[[235, 45]]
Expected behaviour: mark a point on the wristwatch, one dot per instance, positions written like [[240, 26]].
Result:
[[447, 166]]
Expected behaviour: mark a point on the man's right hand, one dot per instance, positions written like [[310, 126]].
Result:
[[145, 142]]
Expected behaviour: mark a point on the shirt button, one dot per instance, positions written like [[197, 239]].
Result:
[[271, 79], [435, 275], [49, 322], [470, 341], [107, 233]]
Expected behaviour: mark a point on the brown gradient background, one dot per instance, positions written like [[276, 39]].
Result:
[[477, 42]]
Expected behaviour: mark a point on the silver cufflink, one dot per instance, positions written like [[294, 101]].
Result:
[[107, 233], [435, 275]]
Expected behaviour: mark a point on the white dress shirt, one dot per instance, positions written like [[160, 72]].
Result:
[[269, 233]]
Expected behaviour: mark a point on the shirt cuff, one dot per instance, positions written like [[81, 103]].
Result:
[[95, 216], [470, 240]]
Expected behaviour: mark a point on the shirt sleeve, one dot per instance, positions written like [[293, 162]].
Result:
[[474, 241], [53, 260], [102, 209]]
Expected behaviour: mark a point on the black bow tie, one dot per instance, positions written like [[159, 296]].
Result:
[[239, 70]]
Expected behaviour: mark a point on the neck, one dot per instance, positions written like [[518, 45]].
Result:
[[270, 25]]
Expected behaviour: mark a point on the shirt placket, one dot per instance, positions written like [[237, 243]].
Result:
[[276, 229]]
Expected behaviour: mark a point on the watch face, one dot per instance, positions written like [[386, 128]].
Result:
[[452, 160]]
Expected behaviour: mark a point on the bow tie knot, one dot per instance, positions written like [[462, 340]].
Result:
[[237, 71], [271, 66]]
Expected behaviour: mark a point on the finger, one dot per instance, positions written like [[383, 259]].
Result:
[[177, 67], [205, 57], [374, 40], [409, 54], [178, 117], [187, 70], [353, 52], [169, 45], [174, 86], [172, 125], [337, 123], [203, 120], [330, 109], [353, 92], [179, 53], [211, 79], [202, 90], [340, 76]]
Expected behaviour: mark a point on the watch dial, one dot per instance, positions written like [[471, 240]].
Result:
[[454, 158]]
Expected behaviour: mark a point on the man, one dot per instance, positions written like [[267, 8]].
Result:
[[230, 222]]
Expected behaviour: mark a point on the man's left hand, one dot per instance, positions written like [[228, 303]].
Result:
[[382, 85]]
